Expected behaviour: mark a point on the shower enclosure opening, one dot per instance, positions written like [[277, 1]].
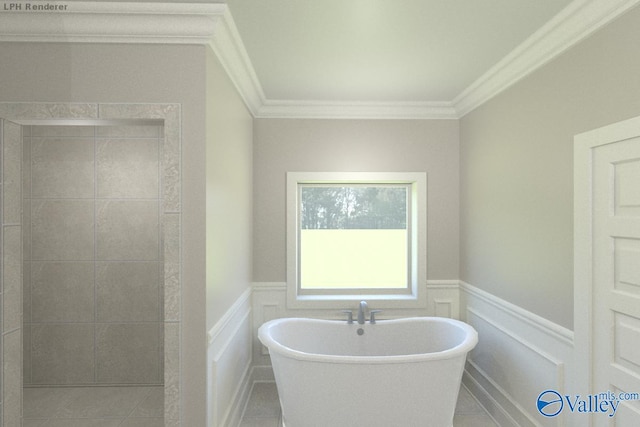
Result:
[[90, 244], [93, 270]]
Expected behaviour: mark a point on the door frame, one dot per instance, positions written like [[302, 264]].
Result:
[[584, 145]]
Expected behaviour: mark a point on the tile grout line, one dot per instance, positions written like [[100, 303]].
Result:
[[30, 262], [95, 256], [160, 266]]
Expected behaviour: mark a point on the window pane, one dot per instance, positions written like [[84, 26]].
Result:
[[353, 237], [354, 207]]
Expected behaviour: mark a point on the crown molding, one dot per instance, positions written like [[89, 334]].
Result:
[[227, 44], [212, 24], [576, 22], [356, 110], [109, 22], [138, 22]]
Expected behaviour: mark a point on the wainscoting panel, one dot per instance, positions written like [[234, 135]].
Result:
[[269, 302], [229, 361], [519, 355], [443, 298]]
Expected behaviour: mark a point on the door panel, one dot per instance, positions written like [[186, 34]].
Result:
[[616, 276]]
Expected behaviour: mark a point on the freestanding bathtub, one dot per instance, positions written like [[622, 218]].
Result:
[[403, 372]]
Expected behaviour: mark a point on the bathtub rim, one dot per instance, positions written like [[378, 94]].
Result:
[[460, 350]]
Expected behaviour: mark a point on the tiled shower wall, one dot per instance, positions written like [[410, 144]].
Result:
[[10, 273], [93, 273]]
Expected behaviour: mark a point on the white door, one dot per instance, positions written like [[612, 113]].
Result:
[[616, 273]]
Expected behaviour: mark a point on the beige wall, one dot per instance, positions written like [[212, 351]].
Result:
[[229, 193], [517, 169], [140, 74], [283, 145]]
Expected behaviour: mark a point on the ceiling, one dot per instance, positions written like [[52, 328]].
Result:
[[399, 59], [381, 51]]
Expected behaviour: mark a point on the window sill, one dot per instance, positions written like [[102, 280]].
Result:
[[339, 302]]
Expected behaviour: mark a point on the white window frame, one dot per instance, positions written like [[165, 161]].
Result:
[[412, 296]]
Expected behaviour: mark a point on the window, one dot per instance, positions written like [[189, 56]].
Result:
[[354, 236]]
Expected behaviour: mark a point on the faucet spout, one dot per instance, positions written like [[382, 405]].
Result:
[[361, 312]]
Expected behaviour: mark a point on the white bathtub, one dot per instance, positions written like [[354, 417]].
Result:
[[403, 372]]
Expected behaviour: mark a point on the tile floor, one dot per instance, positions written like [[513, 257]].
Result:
[[93, 407], [263, 409]]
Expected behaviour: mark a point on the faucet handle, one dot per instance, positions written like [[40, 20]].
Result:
[[349, 314], [372, 318]]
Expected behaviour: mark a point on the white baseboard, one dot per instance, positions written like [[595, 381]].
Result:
[[484, 396]]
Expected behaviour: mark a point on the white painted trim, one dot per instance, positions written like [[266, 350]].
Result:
[[221, 348], [233, 414], [576, 22], [584, 144], [212, 24], [229, 340], [227, 44], [514, 332], [525, 343], [443, 284], [487, 400], [582, 254], [233, 312], [311, 109], [504, 393], [257, 374], [269, 286], [559, 332], [443, 298], [113, 22], [408, 297]]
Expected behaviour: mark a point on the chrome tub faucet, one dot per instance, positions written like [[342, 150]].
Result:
[[361, 312]]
